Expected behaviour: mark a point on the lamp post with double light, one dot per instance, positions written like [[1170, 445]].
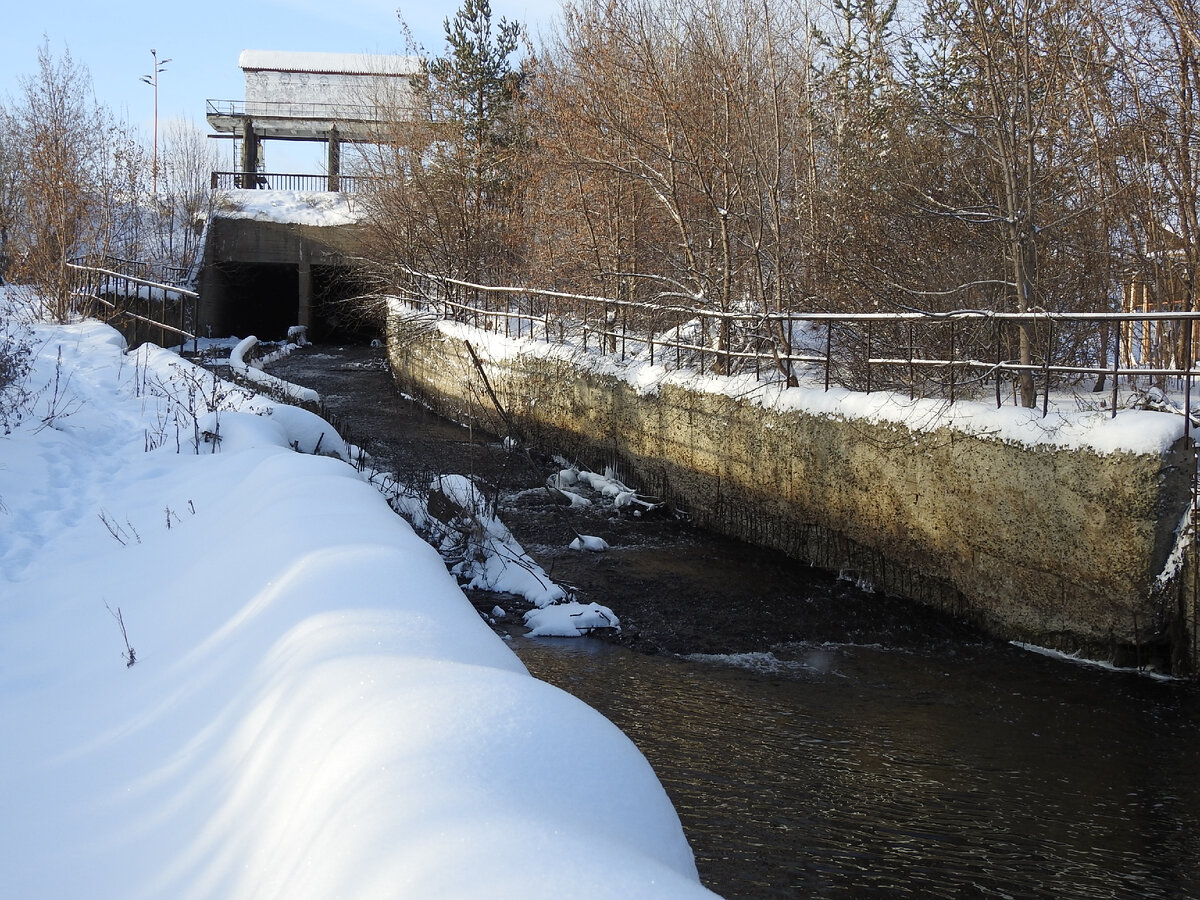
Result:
[[152, 80]]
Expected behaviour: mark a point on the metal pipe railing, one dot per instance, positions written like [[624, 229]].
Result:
[[861, 350], [287, 181], [136, 302]]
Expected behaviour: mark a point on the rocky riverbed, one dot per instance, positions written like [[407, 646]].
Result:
[[677, 589]]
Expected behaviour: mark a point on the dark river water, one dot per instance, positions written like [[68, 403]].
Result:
[[856, 771], [893, 756]]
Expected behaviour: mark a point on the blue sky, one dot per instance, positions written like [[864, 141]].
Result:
[[203, 39]]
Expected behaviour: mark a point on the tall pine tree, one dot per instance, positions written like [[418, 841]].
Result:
[[475, 89]]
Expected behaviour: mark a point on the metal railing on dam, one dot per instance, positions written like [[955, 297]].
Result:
[[962, 354], [287, 181]]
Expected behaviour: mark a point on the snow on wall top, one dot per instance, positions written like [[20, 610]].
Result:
[[320, 208], [1066, 427], [329, 63]]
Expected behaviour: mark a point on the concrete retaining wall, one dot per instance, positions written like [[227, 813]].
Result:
[[1059, 548]]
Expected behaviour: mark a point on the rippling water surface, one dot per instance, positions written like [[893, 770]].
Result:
[[912, 767], [843, 771]]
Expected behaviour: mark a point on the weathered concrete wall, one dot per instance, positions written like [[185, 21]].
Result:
[[232, 239], [1059, 548]]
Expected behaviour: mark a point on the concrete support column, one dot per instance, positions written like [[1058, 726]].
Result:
[[304, 308], [335, 159], [213, 310], [250, 152]]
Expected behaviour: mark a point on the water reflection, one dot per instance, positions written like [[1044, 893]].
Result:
[[841, 771]]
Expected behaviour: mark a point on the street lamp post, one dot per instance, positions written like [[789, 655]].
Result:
[[152, 80]]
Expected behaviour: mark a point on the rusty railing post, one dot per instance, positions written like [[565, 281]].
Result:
[[870, 332], [999, 358], [912, 369], [828, 353], [951, 360], [1046, 367], [1116, 369]]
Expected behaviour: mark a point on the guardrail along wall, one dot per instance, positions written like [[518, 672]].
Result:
[[952, 355], [1060, 548], [141, 309]]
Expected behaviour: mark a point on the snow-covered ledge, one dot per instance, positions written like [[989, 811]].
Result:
[[251, 370], [1050, 531]]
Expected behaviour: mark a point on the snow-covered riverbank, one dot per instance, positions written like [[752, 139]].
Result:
[[313, 709]]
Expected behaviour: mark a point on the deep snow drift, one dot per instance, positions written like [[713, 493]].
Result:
[[313, 710]]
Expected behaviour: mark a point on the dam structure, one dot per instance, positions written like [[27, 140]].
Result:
[[273, 260], [280, 247], [1071, 541]]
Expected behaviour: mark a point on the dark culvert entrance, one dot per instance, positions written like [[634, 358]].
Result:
[[336, 317], [263, 299], [252, 298]]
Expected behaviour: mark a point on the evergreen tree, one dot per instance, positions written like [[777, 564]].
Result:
[[476, 84], [475, 90]]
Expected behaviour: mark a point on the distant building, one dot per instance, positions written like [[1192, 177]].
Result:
[[331, 97]]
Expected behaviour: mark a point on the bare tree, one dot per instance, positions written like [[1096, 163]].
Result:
[[1152, 123], [10, 181], [1017, 161], [675, 140], [741, 156], [185, 200], [70, 160]]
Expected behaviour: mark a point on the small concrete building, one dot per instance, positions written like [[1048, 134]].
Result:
[[331, 97]]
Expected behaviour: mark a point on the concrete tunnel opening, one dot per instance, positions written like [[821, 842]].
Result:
[[263, 278], [265, 299]]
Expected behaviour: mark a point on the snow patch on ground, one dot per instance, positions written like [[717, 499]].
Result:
[[278, 425], [319, 208], [589, 542], [570, 620], [315, 709], [568, 481], [483, 552]]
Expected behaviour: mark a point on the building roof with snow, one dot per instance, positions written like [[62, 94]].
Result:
[[329, 63]]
